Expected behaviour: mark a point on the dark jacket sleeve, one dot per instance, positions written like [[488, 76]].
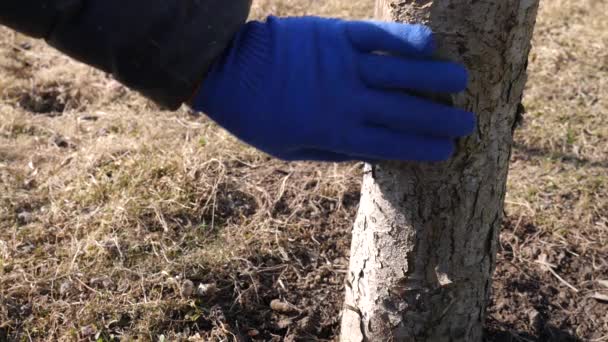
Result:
[[161, 48]]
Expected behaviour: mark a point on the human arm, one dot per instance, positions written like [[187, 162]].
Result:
[[297, 88], [160, 48]]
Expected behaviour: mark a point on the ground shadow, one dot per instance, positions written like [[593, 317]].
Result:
[[547, 334], [529, 303], [569, 158]]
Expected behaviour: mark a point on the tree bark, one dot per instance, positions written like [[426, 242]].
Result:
[[425, 238]]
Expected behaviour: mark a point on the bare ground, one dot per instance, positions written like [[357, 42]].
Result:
[[119, 221]]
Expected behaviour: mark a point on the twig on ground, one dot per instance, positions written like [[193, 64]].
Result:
[[542, 260]]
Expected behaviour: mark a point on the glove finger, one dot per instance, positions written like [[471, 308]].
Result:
[[381, 71], [415, 41], [376, 143], [406, 113]]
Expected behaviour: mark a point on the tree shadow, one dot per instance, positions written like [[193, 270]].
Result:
[[528, 304], [570, 158], [498, 333]]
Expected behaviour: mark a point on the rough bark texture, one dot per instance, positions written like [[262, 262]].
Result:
[[425, 239]]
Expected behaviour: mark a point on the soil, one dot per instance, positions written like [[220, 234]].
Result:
[[529, 303]]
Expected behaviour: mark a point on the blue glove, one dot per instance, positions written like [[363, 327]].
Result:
[[319, 89]]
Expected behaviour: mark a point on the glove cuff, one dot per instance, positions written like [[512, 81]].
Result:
[[242, 65], [255, 53]]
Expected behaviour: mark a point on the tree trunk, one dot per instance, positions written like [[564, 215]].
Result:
[[425, 239]]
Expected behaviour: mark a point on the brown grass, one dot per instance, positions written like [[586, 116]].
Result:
[[110, 209]]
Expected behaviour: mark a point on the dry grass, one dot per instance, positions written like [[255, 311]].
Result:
[[111, 209], [557, 201]]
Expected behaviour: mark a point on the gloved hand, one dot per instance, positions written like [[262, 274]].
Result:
[[318, 89]]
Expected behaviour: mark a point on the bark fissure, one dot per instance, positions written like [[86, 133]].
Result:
[[424, 241]]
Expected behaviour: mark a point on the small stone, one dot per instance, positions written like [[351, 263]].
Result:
[[25, 217], [89, 330], [341, 261], [101, 283], [205, 290], [284, 323], [282, 307], [65, 287], [187, 288], [535, 319]]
